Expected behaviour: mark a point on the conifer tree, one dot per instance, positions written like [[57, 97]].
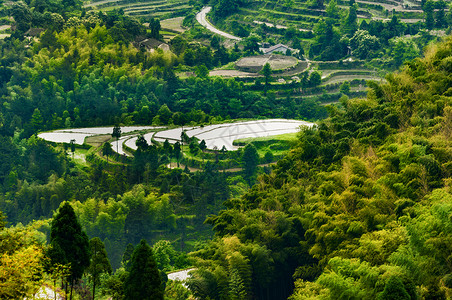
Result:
[[250, 161], [99, 262], [66, 233], [127, 257], [143, 281], [116, 134]]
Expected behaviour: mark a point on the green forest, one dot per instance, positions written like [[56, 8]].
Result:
[[359, 206]]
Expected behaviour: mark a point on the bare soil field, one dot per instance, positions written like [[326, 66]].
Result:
[[254, 64], [342, 78], [173, 24], [97, 140], [232, 73]]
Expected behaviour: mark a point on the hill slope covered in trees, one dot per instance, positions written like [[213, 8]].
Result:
[[359, 209]]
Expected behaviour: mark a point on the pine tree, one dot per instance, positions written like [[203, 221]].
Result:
[[127, 257], [37, 120], [99, 262], [250, 160], [143, 281], [67, 235], [116, 134], [267, 72], [107, 150]]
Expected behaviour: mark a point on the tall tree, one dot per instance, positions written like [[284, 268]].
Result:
[[267, 72], [66, 233], [202, 145], [332, 10], [36, 120], [143, 281], [99, 262], [116, 134], [127, 257], [250, 160], [177, 153], [429, 10], [351, 21], [107, 150], [154, 25]]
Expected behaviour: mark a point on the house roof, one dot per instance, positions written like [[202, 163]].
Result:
[[34, 32], [149, 43], [273, 48]]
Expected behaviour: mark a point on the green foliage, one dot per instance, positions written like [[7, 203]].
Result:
[[394, 289], [107, 150], [176, 291], [350, 23], [143, 281], [154, 25], [332, 10], [365, 195], [99, 263], [345, 87], [21, 261], [267, 72], [66, 234], [164, 254], [250, 160], [364, 45], [223, 8]]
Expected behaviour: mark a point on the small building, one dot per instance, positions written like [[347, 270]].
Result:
[[277, 48], [34, 32], [150, 44]]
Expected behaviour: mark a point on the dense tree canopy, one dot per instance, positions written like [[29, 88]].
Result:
[[67, 236], [143, 281], [358, 208]]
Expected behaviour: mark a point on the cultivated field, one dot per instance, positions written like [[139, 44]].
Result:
[[174, 24], [216, 136], [254, 64], [80, 134], [163, 9]]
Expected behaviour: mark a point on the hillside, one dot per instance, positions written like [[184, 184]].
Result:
[[359, 209]]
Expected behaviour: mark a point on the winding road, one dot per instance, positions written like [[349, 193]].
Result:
[[201, 18]]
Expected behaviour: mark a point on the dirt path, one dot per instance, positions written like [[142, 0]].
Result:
[[201, 18]]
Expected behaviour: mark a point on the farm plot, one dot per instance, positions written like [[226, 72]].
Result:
[[156, 8], [79, 134], [174, 24], [223, 135], [232, 73], [216, 136], [254, 64]]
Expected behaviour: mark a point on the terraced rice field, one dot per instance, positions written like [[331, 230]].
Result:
[[335, 76], [297, 13], [80, 134], [174, 24], [255, 63], [155, 8], [223, 135], [216, 136], [342, 78]]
